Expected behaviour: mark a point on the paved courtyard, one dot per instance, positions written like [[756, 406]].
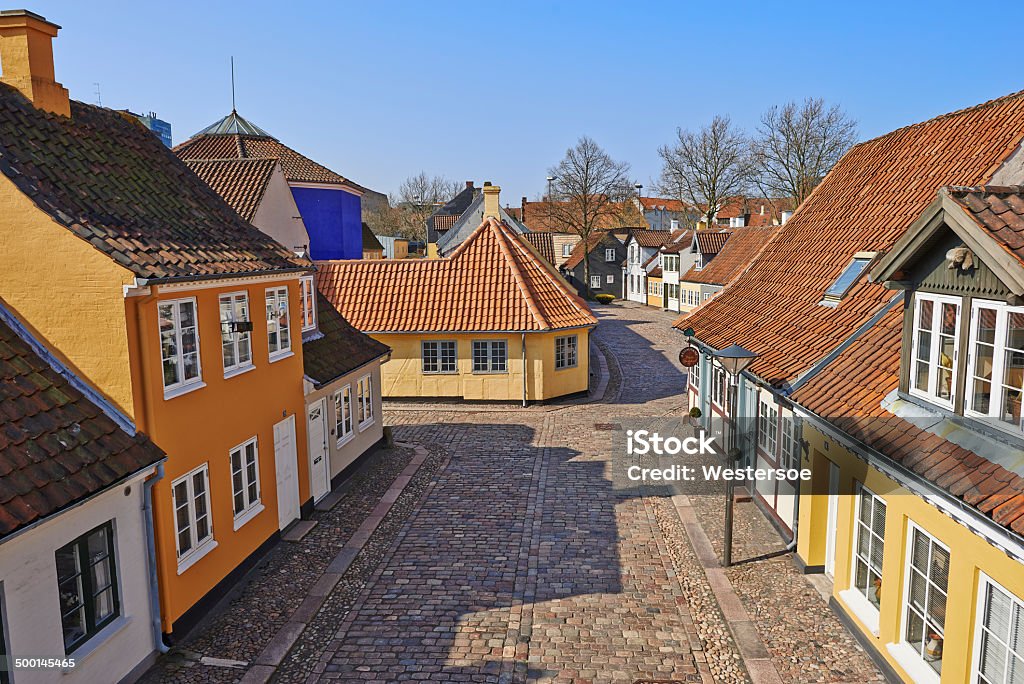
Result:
[[507, 556]]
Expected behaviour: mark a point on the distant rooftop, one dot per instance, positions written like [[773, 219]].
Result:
[[234, 124]]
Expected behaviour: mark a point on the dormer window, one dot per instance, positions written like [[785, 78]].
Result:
[[995, 381], [935, 348], [850, 275]]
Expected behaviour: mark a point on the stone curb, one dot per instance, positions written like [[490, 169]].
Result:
[[265, 664], [756, 658]]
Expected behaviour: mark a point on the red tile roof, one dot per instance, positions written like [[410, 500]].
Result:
[[712, 241], [56, 446], [734, 257], [491, 282], [651, 238], [241, 182], [112, 183], [339, 349], [864, 204], [540, 217], [544, 243], [999, 210], [663, 204]]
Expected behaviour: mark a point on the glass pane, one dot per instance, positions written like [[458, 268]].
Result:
[[915, 631], [863, 542], [1011, 406], [847, 278], [918, 588], [993, 658], [939, 574], [1017, 631], [925, 314], [73, 623], [229, 353], [878, 519], [104, 604], [202, 528], [1015, 331], [998, 612], [101, 574], [949, 319], [876, 553], [919, 559], [190, 365], [987, 325], [67, 563], [937, 609], [187, 314], [944, 388]]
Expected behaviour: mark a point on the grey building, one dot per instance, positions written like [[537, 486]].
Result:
[[605, 256]]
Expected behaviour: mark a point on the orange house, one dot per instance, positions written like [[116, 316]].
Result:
[[186, 318]]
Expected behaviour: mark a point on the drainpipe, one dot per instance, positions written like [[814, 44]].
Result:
[[524, 370], [154, 592]]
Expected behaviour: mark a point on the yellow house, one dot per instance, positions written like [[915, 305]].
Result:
[[178, 310], [492, 322], [655, 288]]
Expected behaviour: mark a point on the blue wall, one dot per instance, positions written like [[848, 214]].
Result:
[[334, 222]]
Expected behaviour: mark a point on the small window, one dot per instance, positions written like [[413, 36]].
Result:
[[848, 277], [192, 512], [768, 427], [179, 343], [936, 341], [278, 335], [307, 297], [609, 254], [610, 279], [566, 249], [694, 378], [235, 335], [999, 636], [364, 397], [438, 356], [790, 442], [924, 610], [869, 544], [245, 478], [343, 414], [595, 282], [490, 356], [718, 386], [566, 352], [87, 586]]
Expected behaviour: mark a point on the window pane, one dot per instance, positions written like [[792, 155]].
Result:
[[104, 605]]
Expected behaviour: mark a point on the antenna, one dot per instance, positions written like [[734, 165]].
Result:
[[99, 100], [232, 83]]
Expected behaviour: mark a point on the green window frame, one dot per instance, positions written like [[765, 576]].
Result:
[[87, 585]]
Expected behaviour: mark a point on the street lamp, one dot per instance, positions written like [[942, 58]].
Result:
[[734, 359], [551, 179]]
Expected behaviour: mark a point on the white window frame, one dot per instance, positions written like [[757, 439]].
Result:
[[930, 394], [920, 667], [567, 249], [694, 376], [439, 357], [364, 401], [595, 282], [719, 381], [569, 352], [610, 279], [284, 342], [235, 339], [200, 547], [995, 404], [343, 415], [490, 345], [986, 583], [768, 427], [307, 302], [790, 436], [182, 385], [609, 255], [858, 529], [252, 506]]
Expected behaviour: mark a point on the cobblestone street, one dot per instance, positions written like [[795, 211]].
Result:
[[509, 557]]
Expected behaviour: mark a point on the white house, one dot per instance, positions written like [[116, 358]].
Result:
[[78, 598], [642, 247]]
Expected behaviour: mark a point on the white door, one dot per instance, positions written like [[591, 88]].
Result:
[[286, 465], [833, 513], [319, 470]]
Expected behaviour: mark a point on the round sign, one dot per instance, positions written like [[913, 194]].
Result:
[[689, 357]]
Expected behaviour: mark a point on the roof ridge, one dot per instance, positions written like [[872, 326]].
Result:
[[553, 274], [495, 227]]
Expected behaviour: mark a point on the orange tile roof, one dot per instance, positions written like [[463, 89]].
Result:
[[864, 203], [537, 217], [241, 182], [712, 241], [663, 204], [544, 243], [999, 210], [491, 282], [734, 257], [651, 238]]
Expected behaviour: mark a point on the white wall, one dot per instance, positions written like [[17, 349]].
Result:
[[28, 581], [278, 216]]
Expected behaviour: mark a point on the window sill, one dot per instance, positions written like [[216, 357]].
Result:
[[345, 440], [98, 640], [186, 562], [365, 424], [184, 389], [478, 372], [454, 372], [247, 515], [281, 355], [238, 370], [908, 659], [562, 368], [862, 609]]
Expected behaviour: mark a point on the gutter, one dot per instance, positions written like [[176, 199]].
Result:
[[220, 276], [154, 591], [319, 385]]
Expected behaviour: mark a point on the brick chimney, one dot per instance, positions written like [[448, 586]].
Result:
[[26, 60], [492, 208], [469, 185]]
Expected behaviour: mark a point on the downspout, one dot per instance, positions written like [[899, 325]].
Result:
[[154, 592], [524, 369]]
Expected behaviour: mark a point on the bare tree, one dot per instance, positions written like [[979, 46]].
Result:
[[588, 190], [409, 209], [797, 144], [707, 167]]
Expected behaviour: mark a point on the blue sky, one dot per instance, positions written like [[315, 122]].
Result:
[[497, 91]]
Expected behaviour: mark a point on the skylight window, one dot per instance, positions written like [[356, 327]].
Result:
[[848, 277]]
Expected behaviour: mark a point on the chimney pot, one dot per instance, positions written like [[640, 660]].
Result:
[[26, 57], [487, 184], [469, 185]]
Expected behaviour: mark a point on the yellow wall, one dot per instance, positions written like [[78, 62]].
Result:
[[432, 250], [655, 300], [205, 424], [402, 376], [684, 289], [66, 292], [970, 555]]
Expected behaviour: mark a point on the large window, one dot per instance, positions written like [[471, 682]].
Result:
[[245, 481], [364, 398], [768, 427], [343, 414], [935, 345], [278, 335], [566, 352], [924, 609], [999, 637], [307, 298], [235, 332], [87, 585], [996, 365], [192, 513], [490, 356], [179, 343], [869, 541], [438, 356]]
